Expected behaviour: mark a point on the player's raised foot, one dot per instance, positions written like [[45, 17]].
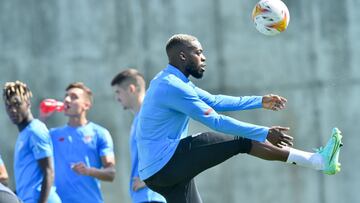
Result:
[[330, 153]]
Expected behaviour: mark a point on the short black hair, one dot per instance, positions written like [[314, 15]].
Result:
[[179, 40], [129, 76]]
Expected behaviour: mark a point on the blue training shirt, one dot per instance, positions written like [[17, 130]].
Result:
[[1, 161], [32, 144], [164, 117], [85, 144], [144, 194]]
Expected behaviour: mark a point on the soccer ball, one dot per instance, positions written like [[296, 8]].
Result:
[[270, 17]]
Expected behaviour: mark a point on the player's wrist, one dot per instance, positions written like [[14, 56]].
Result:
[[90, 171]]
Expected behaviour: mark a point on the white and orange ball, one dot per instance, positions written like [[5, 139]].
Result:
[[271, 17]]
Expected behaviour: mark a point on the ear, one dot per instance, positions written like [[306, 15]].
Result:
[[182, 56], [87, 105], [132, 88]]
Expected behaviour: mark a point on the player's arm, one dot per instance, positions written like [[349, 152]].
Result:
[[4, 177], [106, 173], [48, 178], [137, 184], [40, 144], [106, 152], [230, 103], [106, 149], [186, 100]]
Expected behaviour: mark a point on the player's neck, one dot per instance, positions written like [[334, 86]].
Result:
[[138, 103], [25, 122], [180, 68], [76, 121]]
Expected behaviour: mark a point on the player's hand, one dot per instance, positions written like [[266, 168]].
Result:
[[278, 137], [43, 116], [81, 168], [273, 102], [137, 184]]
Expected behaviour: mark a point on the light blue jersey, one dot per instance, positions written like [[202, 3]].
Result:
[[1, 161], [164, 117], [85, 144], [144, 194], [32, 144]]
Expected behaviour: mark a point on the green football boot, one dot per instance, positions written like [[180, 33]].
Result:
[[330, 153]]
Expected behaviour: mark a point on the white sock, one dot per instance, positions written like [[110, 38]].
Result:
[[306, 159]]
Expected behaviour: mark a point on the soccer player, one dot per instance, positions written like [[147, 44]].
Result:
[[7, 196], [129, 86], [33, 159], [83, 150], [169, 159], [4, 177]]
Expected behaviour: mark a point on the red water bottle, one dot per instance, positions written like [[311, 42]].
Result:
[[50, 105]]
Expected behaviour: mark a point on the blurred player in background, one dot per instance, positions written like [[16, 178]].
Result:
[[129, 86], [7, 196], [4, 177], [33, 159], [83, 150], [169, 159]]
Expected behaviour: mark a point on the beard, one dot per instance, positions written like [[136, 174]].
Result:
[[194, 70]]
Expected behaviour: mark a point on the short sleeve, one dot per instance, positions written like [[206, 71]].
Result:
[[41, 144], [105, 144]]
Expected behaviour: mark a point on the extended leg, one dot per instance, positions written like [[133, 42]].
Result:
[[325, 159]]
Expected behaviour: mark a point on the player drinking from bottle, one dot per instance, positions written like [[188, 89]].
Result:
[[83, 150]]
